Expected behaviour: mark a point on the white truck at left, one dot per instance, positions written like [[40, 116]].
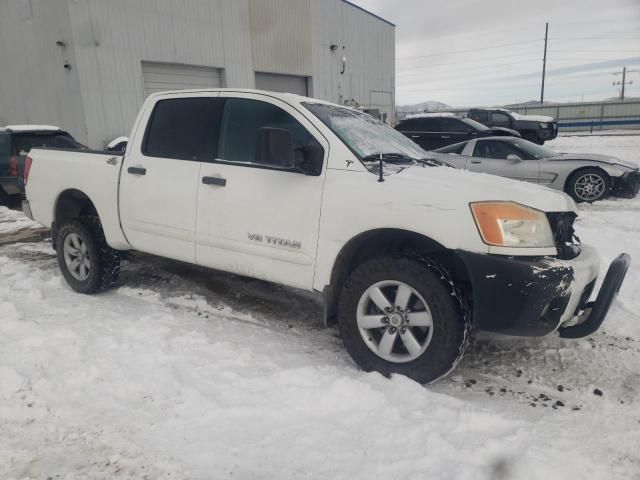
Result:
[[410, 254]]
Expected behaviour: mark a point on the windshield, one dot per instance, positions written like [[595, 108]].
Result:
[[474, 124], [535, 151], [365, 136]]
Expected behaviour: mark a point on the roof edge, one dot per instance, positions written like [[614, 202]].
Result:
[[368, 12]]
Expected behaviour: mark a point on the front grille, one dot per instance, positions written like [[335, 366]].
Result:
[[567, 243]]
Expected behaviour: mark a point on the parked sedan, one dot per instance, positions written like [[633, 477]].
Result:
[[586, 177], [435, 130]]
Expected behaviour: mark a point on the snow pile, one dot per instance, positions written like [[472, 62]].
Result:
[[13, 221], [187, 373]]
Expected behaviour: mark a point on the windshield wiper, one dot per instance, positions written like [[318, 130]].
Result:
[[389, 158], [432, 162]]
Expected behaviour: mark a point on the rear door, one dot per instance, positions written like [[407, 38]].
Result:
[[490, 156], [425, 131], [160, 177], [256, 219]]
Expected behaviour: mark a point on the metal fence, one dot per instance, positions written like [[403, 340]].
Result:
[[591, 116], [588, 116]]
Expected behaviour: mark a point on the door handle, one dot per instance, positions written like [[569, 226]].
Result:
[[445, 136], [137, 170], [220, 182], [476, 161], [415, 136]]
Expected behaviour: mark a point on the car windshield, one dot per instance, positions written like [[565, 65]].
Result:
[[367, 137], [535, 151]]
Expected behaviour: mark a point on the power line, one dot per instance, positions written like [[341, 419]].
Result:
[[468, 50], [431, 65], [474, 68]]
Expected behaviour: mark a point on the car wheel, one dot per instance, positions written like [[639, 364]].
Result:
[[396, 315], [588, 185], [87, 263]]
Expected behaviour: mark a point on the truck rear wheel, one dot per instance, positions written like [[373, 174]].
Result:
[[87, 263], [396, 315]]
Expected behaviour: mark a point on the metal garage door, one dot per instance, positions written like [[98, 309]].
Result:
[[281, 83], [159, 77]]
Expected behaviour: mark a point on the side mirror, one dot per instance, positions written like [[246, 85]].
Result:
[[312, 158], [513, 157], [274, 146]]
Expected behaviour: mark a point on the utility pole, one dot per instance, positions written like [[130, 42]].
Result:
[[624, 80], [544, 61]]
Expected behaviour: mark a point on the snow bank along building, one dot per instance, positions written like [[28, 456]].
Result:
[[87, 65]]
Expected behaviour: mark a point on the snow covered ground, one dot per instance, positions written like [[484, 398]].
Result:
[[187, 373]]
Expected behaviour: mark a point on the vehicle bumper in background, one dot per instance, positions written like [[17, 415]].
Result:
[[628, 185], [12, 185], [548, 133], [533, 296]]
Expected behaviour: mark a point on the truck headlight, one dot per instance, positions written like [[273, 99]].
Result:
[[509, 224], [544, 125]]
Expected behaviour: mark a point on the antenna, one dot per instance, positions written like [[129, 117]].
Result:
[[381, 178]]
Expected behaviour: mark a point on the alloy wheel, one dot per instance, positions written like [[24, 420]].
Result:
[[394, 321]]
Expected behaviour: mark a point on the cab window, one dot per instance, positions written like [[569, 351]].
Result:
[[499, 119], [184, 129], [241, 122], [494, 149]]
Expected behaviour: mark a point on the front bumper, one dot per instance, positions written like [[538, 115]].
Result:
[[12, 185], [627, 185], [533, 296]]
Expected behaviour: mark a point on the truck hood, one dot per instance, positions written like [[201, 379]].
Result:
[[533, 118], [592, 157], [450, 188]]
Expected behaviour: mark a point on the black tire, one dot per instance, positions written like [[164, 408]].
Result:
[[451, 326], [104, 261], [532, 137], [579, 174]]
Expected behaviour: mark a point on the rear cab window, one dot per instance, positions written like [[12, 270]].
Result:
[[184, 129]]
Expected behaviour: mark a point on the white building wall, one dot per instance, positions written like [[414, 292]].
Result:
[[113, 37], [106, 41], [367, 43], [34, 85]]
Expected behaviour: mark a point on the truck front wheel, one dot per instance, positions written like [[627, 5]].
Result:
[[87, 263], [397, 315]]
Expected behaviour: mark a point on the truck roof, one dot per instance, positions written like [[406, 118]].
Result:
[[32, 128], [290, 97]]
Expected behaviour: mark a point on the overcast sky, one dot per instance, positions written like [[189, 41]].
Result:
[[482, 52]]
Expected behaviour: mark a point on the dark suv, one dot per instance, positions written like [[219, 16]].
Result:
[[432, 130], [15, 144], [535, 128]]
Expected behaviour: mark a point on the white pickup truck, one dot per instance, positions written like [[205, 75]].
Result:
[[409, 254]]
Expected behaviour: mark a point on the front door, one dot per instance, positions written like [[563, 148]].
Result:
[[159, 180], [256, 219], [503, 159]]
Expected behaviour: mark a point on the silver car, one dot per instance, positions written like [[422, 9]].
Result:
[[586, 177]]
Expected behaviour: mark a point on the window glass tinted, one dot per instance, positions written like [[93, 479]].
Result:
[[482, 117], [457, 125], [499, 119], [243, 119], [411, 125], [5, 145], [456, 148], [184, 129], [495, 149]]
